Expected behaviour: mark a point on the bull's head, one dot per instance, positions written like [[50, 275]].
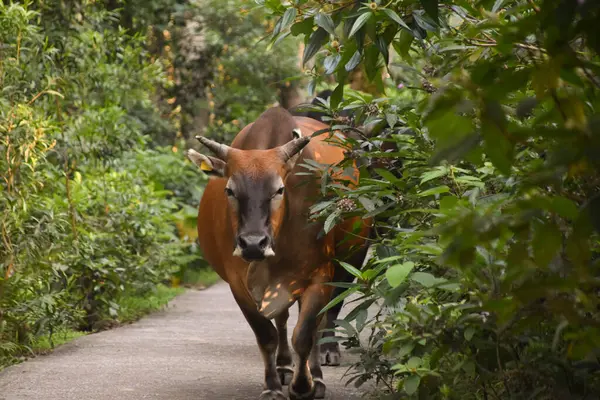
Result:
[[255, 190]]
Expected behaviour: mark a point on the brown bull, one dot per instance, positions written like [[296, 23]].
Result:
[[254, 230]]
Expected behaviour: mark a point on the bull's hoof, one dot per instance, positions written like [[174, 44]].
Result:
[[330, 357], [296, 394], [319, 388], [272, 395], [285, 374]]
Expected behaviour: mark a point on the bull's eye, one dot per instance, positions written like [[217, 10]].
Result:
[[229, 192], [279, 191]]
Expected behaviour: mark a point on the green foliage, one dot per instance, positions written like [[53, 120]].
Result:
[[90, 214], [44, 344], [480, 168], [135, 307]]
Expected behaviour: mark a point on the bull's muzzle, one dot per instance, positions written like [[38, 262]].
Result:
[[253, 247]]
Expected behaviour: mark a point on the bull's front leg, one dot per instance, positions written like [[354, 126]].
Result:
[[266, 338], [284, 355], [307, 382]]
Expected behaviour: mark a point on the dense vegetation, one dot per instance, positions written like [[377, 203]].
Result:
[[97, 201], [487, 198]]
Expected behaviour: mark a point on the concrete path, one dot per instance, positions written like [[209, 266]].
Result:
[[199, 348]]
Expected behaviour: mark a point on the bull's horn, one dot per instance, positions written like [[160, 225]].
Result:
[[218, 149], [292, 147]]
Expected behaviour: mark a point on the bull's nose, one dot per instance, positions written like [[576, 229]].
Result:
[[253, 246]]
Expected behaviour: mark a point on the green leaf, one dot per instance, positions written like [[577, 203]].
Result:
[[499, 150], [315, 42], [497, 5], [371, 63], [493, 129], [360, 21], [354, 61], [331, 220], [54, 93], [402, 45], [352, 270], [382, 46], [446, 126], [288, 17], [525, 107], [311, 87], [494, 114], [346, 326], [414, 362], [325, 22], [425, 22], [366, 203], [457, 151], [564, 207], [434, 191], [321, 206], [391, 119], [331, 339], [331, 62], [448, 202], [411, 384], [359, 309], [361, 319], [337, 95], [302, 27], [426, 279], [395, 17], [469, 332], [387, 175], [398, 273], [436, 173], [406, 349], [546, 242], [339, 299], [431, 8]]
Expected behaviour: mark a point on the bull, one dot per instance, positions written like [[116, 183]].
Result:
[[255, 232]]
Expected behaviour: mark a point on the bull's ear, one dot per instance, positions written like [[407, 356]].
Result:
[[211, 166]]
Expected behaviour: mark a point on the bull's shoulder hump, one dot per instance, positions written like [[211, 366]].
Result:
[[239, 138]]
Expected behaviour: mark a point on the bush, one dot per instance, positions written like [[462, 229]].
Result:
[[486, 270]]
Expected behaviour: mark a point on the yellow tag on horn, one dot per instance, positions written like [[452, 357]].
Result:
[[205, 167]]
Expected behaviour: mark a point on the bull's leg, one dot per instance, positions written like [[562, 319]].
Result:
[[315, 364], [284, 356], [330, 352], [304, 340], [266, 338]]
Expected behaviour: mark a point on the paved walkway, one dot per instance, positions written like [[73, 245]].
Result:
[[199, 348]]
